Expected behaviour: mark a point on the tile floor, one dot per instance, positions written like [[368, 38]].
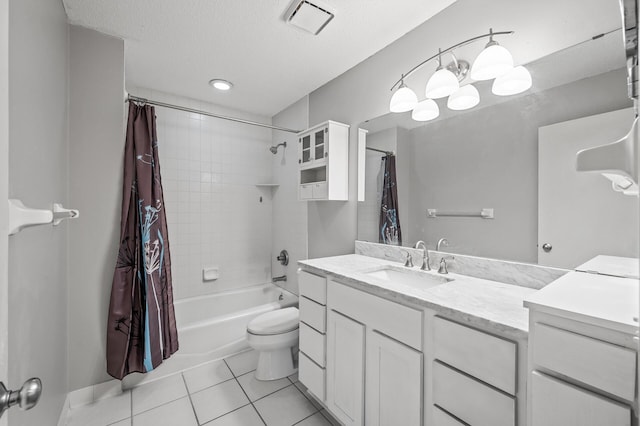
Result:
[[219, 393]]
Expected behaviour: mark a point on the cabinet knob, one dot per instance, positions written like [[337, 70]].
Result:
[[547, 247], [299, 161], [326, 154]]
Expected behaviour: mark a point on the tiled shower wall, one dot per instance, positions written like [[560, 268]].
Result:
[[217, 216]]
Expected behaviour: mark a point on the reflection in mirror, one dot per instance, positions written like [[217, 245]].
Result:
[[487, 158]]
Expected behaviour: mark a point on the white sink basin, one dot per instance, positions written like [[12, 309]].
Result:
[[406, 276]]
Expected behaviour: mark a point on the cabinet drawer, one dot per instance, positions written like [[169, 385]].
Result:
[[398, 321], [313, 314], [486, 357], [442, 418], [306, 191], [556, 403], [312, 376], [313, 287], [320, 190], [312, 344], [603, 365], [470, 400]]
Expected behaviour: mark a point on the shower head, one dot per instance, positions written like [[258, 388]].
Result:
[[274, 149]]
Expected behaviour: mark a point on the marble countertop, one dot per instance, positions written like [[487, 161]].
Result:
[[601, 300], [483, 303]]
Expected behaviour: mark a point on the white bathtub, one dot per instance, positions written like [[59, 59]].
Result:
[[214, 326], [214, 322]]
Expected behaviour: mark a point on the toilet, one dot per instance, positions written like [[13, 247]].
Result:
[[274, 335]]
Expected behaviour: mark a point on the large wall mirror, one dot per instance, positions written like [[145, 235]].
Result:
[[515, 155]]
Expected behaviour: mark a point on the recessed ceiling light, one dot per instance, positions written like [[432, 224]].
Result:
[[220, 84]]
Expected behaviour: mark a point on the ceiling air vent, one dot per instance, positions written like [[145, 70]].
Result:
[[308, 16]]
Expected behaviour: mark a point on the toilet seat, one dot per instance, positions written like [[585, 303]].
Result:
[[275, 322]]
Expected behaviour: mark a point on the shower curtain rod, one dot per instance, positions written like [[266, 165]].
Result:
[[379, 150], [131, 98]]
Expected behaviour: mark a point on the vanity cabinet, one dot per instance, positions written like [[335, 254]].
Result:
[[312, 344], [589, 382], [474, 376], [583, 351], [374, 359], [323, 158]]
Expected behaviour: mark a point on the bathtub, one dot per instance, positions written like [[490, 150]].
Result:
[[214, 326], [218, 322]]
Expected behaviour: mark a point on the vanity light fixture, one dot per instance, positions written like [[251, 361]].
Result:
[[494, 62], [403, 100], [220, 84], [426, 110], [515, 81]]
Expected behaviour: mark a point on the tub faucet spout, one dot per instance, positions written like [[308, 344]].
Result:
[[281, 278]]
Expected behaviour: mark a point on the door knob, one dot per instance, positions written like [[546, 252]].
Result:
[[547, 247], [25, 398]]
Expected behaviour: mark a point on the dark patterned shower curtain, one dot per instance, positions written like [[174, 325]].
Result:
[[141, 329], [390, 232]]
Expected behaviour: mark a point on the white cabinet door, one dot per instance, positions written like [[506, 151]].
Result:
[[345, 368], [393, 393], [555, 403]]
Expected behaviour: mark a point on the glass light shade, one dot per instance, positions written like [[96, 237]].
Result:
[[515, 81], [464, 98], [492, 62], [442, 83], [403, 100], [426, 110]]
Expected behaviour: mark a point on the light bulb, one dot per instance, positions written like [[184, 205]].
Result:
[[425, 110], [492, 62], [403, 100], [464, 98], [515, 81], [442, 83]]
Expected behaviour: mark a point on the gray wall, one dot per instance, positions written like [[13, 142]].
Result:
[[362, 92], [289, 224], [38, 74], [488, 158], [96, 146]]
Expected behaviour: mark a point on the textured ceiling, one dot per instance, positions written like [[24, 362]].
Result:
[[178, 46]]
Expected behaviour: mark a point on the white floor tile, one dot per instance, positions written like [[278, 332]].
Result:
[[206, 375], [243, 362], [125, 422], [175, 413], [315, 420], [285, 407], [218, 400], [103, 412], [256, 389], [157, 393], [245, 416]]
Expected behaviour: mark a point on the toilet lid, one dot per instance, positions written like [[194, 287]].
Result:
[[275, 322]]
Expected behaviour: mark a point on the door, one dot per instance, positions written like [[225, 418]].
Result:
[[4, 191], [345, 368], [393, 392], [579, 215]]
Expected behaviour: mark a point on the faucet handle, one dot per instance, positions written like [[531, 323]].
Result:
[[409, 262], [443, 264]]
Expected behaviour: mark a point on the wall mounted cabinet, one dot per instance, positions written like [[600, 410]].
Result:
[[323, 157]]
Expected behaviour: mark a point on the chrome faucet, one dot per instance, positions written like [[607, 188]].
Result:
[[409, 262], [425, 256], [442, 242], [281, 278]]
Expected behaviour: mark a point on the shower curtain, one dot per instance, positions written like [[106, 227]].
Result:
[[141, 328], [390, 232]]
